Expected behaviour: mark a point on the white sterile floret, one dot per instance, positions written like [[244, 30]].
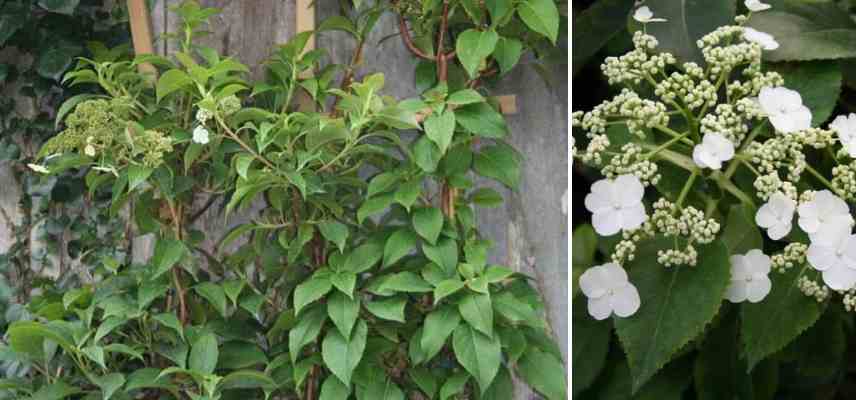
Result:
[[785, 109], [39, 168], [776, 215], [825, 208], [749, 279], [616, 204], [200, 135], [645, 15], [713, 150], [756, 5], [833, 252], [89, 150], [608, 290], [845, 127], [765, 40]]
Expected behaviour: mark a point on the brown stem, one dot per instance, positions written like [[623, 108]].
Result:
[[349, 74], [408, 41], [442, 64], [176, 274], [311, 383]]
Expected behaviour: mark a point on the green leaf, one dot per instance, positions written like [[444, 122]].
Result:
[[482, 119], [670, 384], [688, 21], [499, 162], [170, 321], [454, 385], [28, 337], [391, 309], [55, 58], [479, 354], [807, 32], [343, 312], [214, 294], [109, 384], [447, 288], [783, 315], [464, 97], [167, 253], [335, 232], [439, 324], [477, 310], [69, 105], [541, 16], [590, 345], [95, 353], [444, 254], [55, 391], [381, 183], [507, 54], [60, 6], [426, 154], [440, 129], [373, 206], [345, 281], [364, 257], [239, 355], [306, 330], [310, 290], [247, 379], [242, 164], [545, 373], [426, 381], [334, 389], [740, 233], [474, 46], [13, 16], [204, 354], [594, 27], [428, 222], [342, 355], [719, 371], [405, 282], [818, 82], [399, 244], [678, 303], [408, 192], [486, 197], [170, 81]]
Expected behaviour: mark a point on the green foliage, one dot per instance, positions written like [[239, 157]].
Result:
[[340, 286]]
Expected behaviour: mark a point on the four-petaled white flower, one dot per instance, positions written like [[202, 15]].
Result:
[[608, 290], [89, 150], [845, 127], [39, 168], [776, 215], [616, 204], [749, 279], [833, 252], [785, 109], [713, 150], [756, 5], [565, 203], [765, 40], [644, 15], [200, 135], [826, 208]]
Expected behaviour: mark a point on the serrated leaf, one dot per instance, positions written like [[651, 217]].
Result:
[[594, 27], [499, 162], [440, 129], [688, 21], [343, 312], [679, 302], [474, 46], [477, 310], [740, 233], [482, 119], [541, 16], [819, 31]]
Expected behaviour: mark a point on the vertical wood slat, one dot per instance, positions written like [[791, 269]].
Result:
[[141, 33]]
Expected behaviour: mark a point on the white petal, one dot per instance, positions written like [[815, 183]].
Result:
[[739, 267], [783, 123], [779, 231], [600, 308], [839, 278], [736, 291], [766, 215], [808, 220], [629, 190], [606, 223], [643, 14], [597, 202], [758, 262], [758, 288], [594, 282], [625, 301], [756, 5], [615, 275], [721, 146], [821, 257], [700, 156], [633, 217]]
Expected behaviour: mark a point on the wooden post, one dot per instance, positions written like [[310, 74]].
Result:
[[305, 21], [141, 34]]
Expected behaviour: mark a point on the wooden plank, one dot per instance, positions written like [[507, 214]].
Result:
[[141, 34], [304, 22]]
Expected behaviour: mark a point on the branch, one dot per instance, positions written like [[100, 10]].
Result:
[[408, 41]]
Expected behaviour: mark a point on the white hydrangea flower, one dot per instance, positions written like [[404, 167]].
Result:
[[825, 208], [89, 150], [39, 168], [608, 290], [765, 40], [833, 252], [776, 215], [756, 5], [785, 109], [845, 127], [644, 15], [616, 204], [749, 280], [713, 150], [565, 203], [200, 135]]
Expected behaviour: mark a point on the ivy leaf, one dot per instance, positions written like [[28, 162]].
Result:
[[440, 128], [312, 289], [389, 309], [818, 83], [819, 31], [783, 315], [342, 355], [428, 222], [499, 162], [335, 232], [545, 373], [343, 312], [426, 154], [477, 310], [454, 385], [474, 46], [688, 21], [364, 257], [741, 234], [439, 324], [334, 389], [446, 288], [507, 53], [204, 354], [444, 254], [408, 192], [482, 119], [594, 27], [680, 302], [464, 97], [541, 16], [399, 244], [479, 354], [590, 346]]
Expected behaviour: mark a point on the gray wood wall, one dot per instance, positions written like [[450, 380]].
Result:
[[530, 231]]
